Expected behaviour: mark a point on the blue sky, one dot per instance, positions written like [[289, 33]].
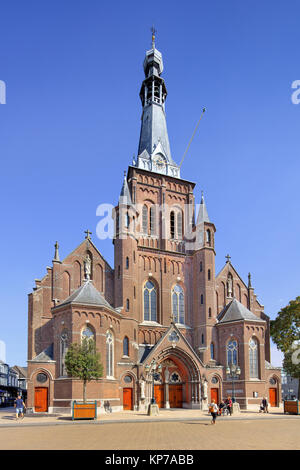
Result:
[[71, 122]]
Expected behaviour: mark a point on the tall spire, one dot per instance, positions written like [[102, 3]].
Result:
[[202, 214], [154, 152], [125, 197]]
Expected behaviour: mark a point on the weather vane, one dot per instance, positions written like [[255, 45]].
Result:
[[153, 30]]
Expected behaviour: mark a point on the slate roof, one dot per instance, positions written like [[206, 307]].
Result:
[[125, 196], [235, 311], [44, 356], [144, 350], [202, 214], [86, 294]]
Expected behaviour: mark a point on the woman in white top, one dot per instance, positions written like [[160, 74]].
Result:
[[213, 408]]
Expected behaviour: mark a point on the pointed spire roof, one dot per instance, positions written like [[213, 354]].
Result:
[[235, 311], [56, 254], [154, 153], [86, 294], [202, 214], [125, 196]]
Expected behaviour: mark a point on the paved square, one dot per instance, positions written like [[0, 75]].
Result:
[[275, 433]]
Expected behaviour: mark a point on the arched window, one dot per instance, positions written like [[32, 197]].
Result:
[[145, 219], [152, 221], [202, 339], [209, 312], [232, 350], [253, 358], [127, 263], [109, 354], [212, 351], [127, 305], [201, 268], [150, 302], [208, 275], [201, 299], [172, 225], [63, 351], [125, 346], [87, 333], [178, 304], [127, 220], [208, 237]]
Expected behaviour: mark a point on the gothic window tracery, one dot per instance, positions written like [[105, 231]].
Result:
[[109, 354], [150, 302], [253, 358], [232, 352], [63, 351], [178, 304]]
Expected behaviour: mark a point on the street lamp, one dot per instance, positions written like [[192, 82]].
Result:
[[153, 369], [234, 371]]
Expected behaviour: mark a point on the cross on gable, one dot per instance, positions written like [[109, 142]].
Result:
[[88, 233], [228, 258]]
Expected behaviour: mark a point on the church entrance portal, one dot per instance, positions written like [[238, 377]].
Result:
[[175, 396]]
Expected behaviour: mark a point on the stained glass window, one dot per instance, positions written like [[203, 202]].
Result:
[[232, 352], [178, 304], [150, 302], [253, 358]]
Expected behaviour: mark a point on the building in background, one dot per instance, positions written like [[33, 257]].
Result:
[[12, 383], [161, 312], [289, 386]]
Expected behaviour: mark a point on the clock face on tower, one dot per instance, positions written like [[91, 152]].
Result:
[[159, 163]]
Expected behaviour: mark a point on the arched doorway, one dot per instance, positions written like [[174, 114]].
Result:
[[180, 380], [273, 392], [41, 392], [128, 392]]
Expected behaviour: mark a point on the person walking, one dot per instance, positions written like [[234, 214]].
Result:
[[19, 405], [229, 405], [264, 404], [213, 409]]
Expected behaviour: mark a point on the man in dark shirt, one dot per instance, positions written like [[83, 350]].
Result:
[[19, 405]]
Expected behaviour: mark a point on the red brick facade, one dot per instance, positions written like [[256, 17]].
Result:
[[162, 302]]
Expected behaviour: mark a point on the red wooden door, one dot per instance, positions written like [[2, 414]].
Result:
[[214, 395], [159, 395], [175, 396], [272, 397], [127, 399], [41, 399]]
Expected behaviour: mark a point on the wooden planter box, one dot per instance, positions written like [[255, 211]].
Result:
[[86, 410], [291, 406]]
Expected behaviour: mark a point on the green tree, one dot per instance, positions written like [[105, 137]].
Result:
[[83, 362], [285, 333]]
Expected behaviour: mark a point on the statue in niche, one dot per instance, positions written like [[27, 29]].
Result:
[[142, 388], [167, 374], [229, 286], [87, 267]]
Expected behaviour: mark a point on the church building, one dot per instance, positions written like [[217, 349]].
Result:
[[163, 321]]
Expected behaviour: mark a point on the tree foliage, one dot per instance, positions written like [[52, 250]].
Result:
[[285, 333], [83, 362]]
